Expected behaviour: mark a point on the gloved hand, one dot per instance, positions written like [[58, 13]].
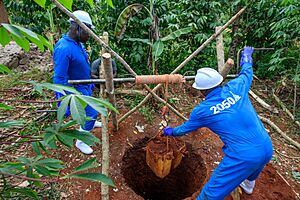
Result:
[[168, 131], [246, 56]]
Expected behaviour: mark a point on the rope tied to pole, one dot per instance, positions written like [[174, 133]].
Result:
[[156, 79]]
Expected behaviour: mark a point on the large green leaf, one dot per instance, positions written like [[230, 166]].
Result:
[[177, 33], [87, 165], [158, 48], [24, 191], [5, 39], [77, 111], [41, 2], [51, 163], [98, 104], [11, 123], [93, 177], [31, 36], [85, 137], [4, 69], [65, 139], [60, 88], [22, 42], [45, 42], [124, 17], [62, 108], [67, 3], [12, 30]]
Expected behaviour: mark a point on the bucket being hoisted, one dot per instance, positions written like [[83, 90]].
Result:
[[164, 154]]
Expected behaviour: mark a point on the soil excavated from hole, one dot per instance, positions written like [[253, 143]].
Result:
[[191, 173]]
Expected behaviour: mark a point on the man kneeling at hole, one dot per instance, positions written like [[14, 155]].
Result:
[[228, 112]]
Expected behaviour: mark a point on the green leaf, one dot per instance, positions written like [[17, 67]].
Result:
[[24, 160], [85, 137], [177, 33], [42, 170], [93, 177], [25, 191], [124, 17], [48, 137], [65, 139], [110, 3], [146, 41], [5, 107], [96, 104], [77, 111], [67, 3], [12, 123], [158, 48], [22, 42], [36, 148], [68, 124], [51, 163], [13, 30], [41, 2], [45, 42], [91, 2], [62, 108], [87, 165], [4, 69], [60, 88], [31, 36], [5, 39]]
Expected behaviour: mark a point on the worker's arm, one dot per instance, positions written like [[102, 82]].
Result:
[[61, 60], [193, 123], [246, 73]]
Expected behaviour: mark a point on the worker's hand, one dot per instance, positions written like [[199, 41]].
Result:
[[168, 131], [246, 55]]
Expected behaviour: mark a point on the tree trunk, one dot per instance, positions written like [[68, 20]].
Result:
[[3, 13]]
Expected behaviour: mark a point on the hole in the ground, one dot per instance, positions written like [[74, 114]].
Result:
[[181, 183]]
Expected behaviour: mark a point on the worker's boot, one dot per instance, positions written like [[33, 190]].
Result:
[[97, 124], [248, 186], [84, 148]]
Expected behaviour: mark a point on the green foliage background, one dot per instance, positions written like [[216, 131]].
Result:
[[265, 23]]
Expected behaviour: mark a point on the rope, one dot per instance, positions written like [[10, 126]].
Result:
[[156, 79]]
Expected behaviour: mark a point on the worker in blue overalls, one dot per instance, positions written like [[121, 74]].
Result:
[[71, 63], [228, 112]]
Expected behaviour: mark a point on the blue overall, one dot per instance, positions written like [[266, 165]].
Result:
[[228, 112], [71, 63]]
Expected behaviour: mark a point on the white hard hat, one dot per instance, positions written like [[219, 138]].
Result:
[[207, 78], [83, 16]]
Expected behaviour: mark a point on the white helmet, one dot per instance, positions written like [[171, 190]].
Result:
[[83, 16], [207, 78]]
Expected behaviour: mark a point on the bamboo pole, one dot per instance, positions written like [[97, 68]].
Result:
[[104, 120], [209, 40], [106, 57]]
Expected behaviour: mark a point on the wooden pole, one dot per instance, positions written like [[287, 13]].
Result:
[[220, 49], [105, 135], [224, 70], [106, 57]]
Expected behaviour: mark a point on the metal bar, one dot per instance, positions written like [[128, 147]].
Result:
[[124, 80]]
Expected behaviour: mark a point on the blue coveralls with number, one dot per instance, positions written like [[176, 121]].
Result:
[[71, 63], [228, 112]]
